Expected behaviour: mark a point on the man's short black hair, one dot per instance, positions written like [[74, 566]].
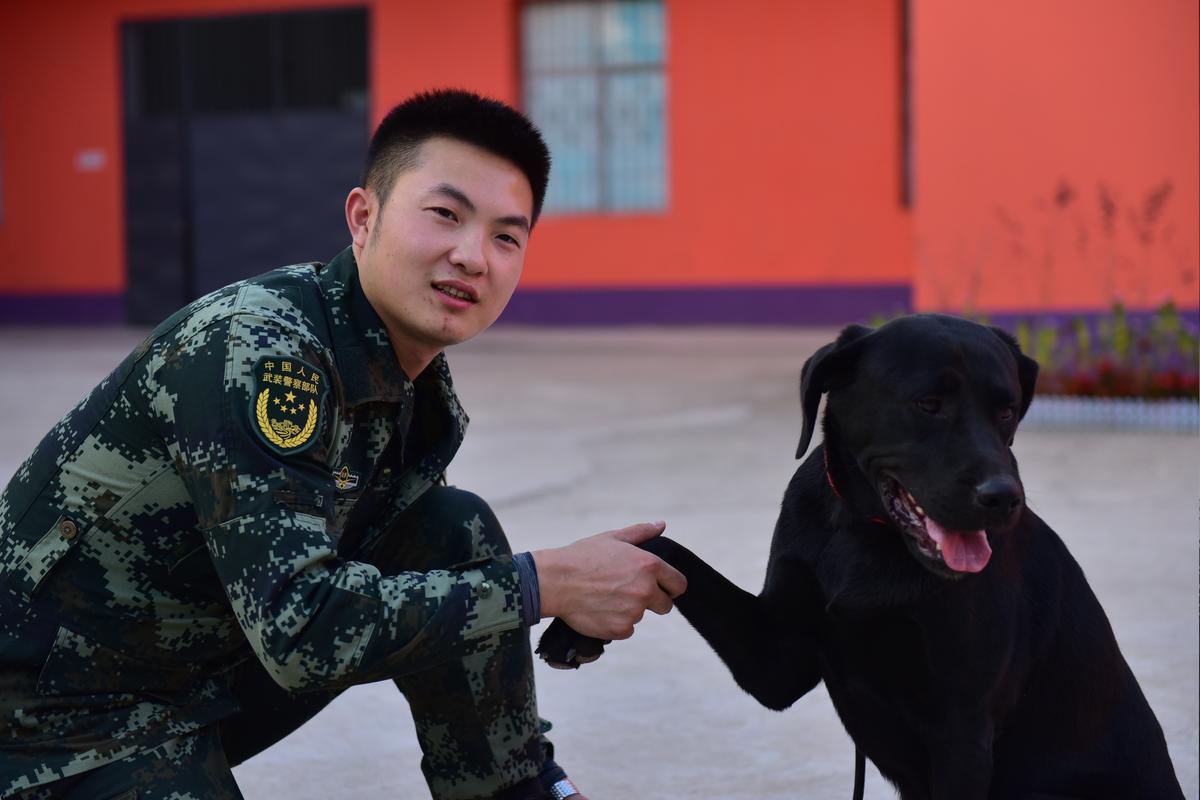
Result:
[[462, 115]]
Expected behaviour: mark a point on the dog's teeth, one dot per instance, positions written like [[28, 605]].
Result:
[[920, 510]]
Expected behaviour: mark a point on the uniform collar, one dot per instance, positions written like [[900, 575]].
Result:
[[366, 362]]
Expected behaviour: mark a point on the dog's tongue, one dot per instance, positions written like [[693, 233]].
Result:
[[963, 551]]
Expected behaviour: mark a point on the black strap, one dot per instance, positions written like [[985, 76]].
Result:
[[860, 774]]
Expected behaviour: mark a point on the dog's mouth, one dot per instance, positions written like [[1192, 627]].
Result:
[[944, 550]]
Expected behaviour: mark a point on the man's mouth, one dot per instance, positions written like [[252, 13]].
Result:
[[456, 292], [958, 551]]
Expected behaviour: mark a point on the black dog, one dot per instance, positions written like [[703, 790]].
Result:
[[960, 642]]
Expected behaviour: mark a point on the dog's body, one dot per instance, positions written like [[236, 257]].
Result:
[[959, 641]]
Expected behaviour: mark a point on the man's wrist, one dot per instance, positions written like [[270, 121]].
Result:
[[553, 571], [531, 599]]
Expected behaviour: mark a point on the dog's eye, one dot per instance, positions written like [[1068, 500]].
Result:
[[1008, 414], [930, 404]]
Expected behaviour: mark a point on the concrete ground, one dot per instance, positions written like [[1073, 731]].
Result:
[[574, 432]]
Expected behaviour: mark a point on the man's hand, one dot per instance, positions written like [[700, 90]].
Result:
[[602, 585]]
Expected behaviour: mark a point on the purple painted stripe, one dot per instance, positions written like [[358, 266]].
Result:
[[742, 305], [722, 305], [62, 309]]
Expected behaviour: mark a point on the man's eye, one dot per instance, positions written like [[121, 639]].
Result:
[[509, 239], [444, 212]]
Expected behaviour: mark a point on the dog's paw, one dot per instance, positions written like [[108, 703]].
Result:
[[562, 647]]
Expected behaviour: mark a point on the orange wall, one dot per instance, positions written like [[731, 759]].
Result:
[[63, 230], [782, 133], [1017, 99], [784, 156], [782, 125]]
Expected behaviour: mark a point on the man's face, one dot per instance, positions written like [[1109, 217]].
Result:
[[440, 260]]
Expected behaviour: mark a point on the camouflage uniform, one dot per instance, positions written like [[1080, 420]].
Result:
[[240, 516]]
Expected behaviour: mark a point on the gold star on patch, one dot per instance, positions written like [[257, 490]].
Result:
[[291, 398]]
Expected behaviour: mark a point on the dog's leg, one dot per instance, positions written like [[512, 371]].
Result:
[[764, 642]]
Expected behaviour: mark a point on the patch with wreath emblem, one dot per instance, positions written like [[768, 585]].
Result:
[[286, 406]]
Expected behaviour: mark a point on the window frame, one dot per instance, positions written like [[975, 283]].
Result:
[[602, 70]]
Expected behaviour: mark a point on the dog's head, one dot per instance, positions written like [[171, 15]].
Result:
[[924, 410]]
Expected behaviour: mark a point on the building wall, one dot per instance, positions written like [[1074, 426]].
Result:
[[1043, 132], [1046, 133], [784, 157], [784, 149], [62, 229]]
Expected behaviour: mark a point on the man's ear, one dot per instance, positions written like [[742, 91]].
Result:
[[361, 215], [1027, 369], [821, 371]]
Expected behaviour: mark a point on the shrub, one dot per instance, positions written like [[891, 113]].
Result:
[[1117, 355]]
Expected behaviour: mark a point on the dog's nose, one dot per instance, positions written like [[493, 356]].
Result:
[[1000, 493]]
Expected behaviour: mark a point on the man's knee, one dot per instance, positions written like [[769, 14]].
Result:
[[460, 525]]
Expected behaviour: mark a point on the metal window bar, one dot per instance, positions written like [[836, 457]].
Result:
[[907, 154]]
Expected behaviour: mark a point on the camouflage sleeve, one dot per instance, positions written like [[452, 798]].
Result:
[[254, 454]]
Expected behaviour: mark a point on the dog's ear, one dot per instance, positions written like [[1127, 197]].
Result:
[[819, 372], [1027, 369]]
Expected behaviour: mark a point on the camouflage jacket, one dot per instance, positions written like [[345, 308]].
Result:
[[190, 513]]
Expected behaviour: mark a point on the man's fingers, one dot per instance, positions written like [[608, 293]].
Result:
[[621, 632], [636, 534], [661, 603], [671, 580]]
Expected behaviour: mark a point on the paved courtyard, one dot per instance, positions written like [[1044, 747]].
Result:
[[578, 431]]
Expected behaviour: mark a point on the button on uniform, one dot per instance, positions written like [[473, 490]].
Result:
[[68, 530], [485, 589]]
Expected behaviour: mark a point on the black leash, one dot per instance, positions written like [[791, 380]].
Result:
[[860, 763]]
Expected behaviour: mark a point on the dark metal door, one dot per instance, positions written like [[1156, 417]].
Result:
[[243, 136]]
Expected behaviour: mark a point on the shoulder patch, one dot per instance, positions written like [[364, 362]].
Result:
[[287, 404]]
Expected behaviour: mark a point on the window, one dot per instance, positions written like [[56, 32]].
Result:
[[594, 84]]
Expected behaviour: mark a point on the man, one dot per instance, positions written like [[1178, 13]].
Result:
[[246, 516]]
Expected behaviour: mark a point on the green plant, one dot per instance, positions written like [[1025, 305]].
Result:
[[1119, 354]]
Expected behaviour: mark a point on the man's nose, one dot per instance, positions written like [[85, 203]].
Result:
[[468, 254]]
